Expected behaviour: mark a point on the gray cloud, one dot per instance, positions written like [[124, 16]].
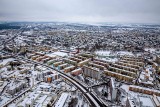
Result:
[[124, 11]]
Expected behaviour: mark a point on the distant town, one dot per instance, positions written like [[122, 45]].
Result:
[[58, 64]]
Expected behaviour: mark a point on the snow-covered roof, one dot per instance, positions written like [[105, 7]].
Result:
[[4, 62], [146, 101], [62, 100]]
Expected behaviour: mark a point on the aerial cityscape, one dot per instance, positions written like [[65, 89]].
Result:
[[84, 61]]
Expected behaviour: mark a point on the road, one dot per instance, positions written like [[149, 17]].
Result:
[[12, 100], [92, 98]]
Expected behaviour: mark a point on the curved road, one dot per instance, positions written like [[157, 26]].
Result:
[[92, 98]]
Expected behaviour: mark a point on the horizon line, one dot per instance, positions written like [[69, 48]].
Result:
[[77, 22]]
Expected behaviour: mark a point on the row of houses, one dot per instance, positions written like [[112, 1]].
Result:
[[119, 76], [122, 71], [124, 67], [133, 62], [131, 58], [128, 65], [144, 90]]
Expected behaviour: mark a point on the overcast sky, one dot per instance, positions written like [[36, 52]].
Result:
[[121, 11]]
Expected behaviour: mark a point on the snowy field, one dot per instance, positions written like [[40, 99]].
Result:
[[62, 54], [112, 56]]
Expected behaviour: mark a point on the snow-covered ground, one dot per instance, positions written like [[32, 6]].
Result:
[[5, 61], [125, 53], [111, 56], [4, 100], [109, 59], [106, 56], [62, 54], [150, 49], [103, 53]]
